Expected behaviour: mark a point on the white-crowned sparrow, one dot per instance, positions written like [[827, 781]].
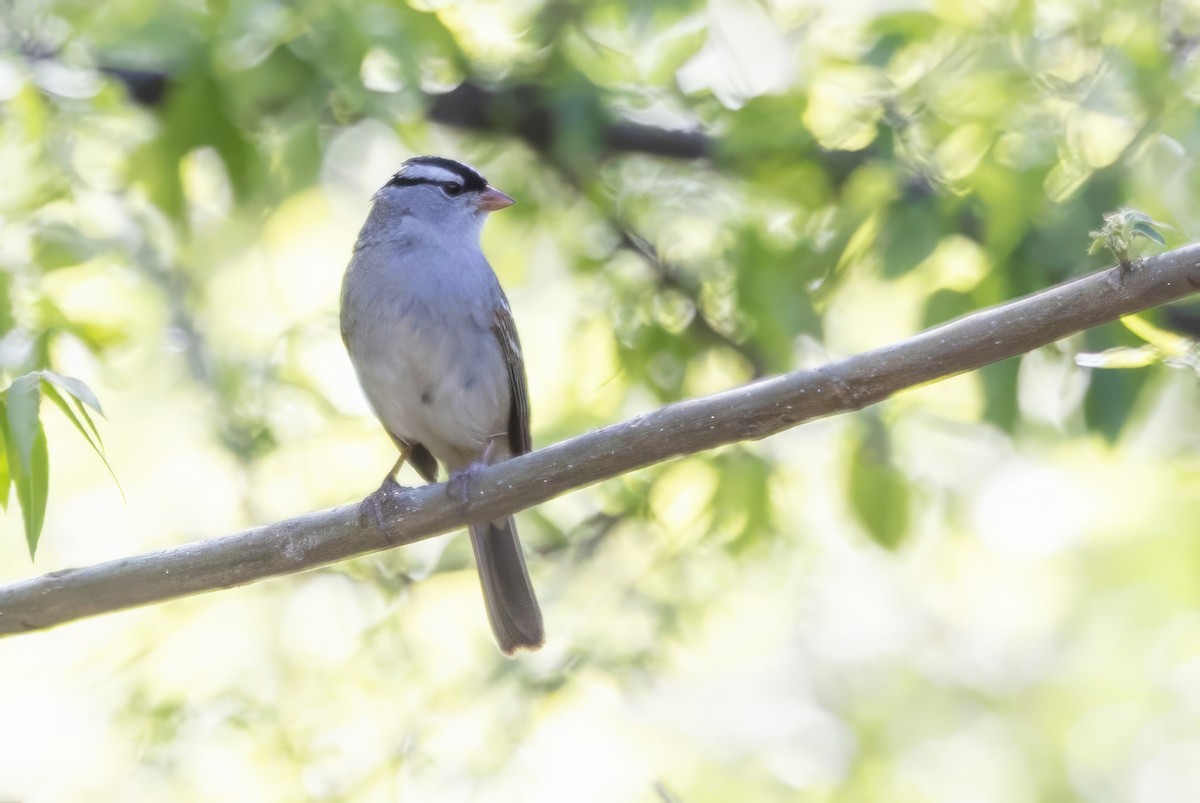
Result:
[[432, 339]]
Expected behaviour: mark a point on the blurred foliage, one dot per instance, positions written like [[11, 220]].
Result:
[[984, 589]]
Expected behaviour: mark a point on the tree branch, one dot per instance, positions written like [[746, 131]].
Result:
[[530, 112], [670, 276], [749, 412], [525, 110]]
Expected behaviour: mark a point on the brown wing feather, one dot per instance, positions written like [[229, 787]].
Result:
[[519, 439]]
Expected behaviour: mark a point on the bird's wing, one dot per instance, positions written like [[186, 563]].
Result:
[[505, 329]]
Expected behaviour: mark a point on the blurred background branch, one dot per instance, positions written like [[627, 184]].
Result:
[[529, 112]]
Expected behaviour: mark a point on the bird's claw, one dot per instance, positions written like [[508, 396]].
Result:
[[373, 504], [461, 483]]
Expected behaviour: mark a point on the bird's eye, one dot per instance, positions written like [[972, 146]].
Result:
[[453, 190]]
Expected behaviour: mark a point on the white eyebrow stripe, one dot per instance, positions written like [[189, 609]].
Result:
[[433, 173]]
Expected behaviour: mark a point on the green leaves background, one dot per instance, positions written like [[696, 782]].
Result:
[[983, 589]]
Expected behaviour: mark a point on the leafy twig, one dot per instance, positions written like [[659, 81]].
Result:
[[1119, 231]]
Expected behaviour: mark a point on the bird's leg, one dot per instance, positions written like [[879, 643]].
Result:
[[460, 482], [374, 502], [390, 479]]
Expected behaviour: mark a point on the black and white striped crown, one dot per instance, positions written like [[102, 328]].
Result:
[[437, 170]]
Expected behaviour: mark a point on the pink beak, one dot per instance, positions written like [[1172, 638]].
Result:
[[492, 199]]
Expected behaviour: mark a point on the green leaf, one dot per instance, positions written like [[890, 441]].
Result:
[[33, 491], [24, 397], [1110, 399], [91, 425], [878, 491], [1148, 231], [910, 234], [1000, 393], [742, 502], [946, 305], [1169, 343], [28, 460], [1120, 357], [75, 387], [83, 395], [92, 436], [5, 478]]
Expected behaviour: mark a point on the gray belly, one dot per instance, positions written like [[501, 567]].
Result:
[[442, 385]]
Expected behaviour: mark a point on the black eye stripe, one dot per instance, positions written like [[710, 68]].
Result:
[[404, 181]]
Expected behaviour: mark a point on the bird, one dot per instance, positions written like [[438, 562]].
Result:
[[432, 340]]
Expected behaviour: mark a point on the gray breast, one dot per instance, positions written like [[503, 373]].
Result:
[[422, 345]]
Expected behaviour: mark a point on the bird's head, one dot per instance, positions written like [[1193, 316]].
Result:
[[442, 191]]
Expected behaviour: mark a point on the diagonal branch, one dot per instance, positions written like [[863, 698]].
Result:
[[745, 413], [670, 276]]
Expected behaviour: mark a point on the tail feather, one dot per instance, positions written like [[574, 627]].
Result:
[[508, 594]]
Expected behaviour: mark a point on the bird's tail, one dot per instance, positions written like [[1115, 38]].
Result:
[[512, 607]]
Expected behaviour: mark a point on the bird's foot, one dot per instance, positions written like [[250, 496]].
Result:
[[373, 504], [461, 483]]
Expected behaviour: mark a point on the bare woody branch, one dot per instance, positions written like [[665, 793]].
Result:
[[745, 413]]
